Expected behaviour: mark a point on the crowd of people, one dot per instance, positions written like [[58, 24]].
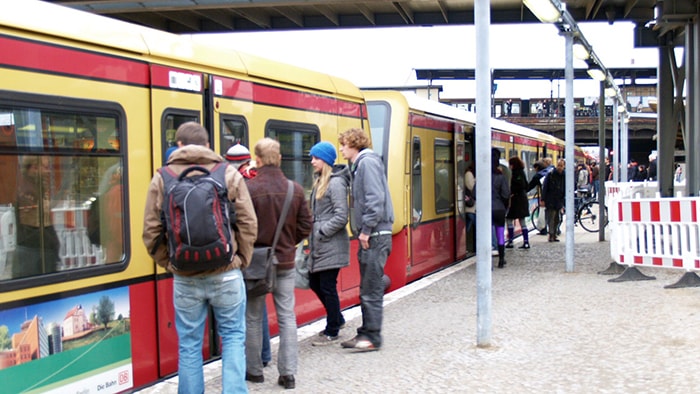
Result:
[[256, 190]]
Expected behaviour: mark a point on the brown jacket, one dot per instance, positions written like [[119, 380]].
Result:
[[246, 221], [268, 191]]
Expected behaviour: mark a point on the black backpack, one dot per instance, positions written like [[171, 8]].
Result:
[[197, 216]]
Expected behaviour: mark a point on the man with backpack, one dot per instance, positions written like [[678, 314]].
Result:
[[200, 225]]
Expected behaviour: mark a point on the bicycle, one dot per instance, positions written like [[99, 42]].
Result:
[[587, 210]]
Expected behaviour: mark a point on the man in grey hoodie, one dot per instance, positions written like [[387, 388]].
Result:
[[371, 221]]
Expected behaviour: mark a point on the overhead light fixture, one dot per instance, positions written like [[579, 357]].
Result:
[[610, 92], [596, 72], [580, 51], [544, 10], [621, 108]]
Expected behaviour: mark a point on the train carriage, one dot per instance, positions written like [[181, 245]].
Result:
[[87, 110], [426, 148]]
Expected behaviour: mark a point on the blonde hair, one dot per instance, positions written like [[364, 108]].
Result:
[[267, 151], [323, 180]]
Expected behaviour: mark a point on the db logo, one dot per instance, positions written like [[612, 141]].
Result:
[[123, 377]]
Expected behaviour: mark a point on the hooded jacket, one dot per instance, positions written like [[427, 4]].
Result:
[[246, 221], [329, 240], [372, 210]]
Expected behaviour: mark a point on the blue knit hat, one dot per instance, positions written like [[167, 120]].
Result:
[[324, 151]]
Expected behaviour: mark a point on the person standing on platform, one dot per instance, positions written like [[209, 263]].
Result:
[[651, 171], [500, 194], [519, 207], [268, 192], [373, 216], [469, 183], [595, 177], [554, 191], [239, 157], [195, 291], [329, 241]]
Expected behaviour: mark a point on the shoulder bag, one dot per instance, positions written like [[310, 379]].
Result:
[[260, 276]]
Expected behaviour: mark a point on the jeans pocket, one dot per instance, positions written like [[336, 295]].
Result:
[[185, 294]]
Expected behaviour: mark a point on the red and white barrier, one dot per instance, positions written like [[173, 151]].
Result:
[[656, 232]]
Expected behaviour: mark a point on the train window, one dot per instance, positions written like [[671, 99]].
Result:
[[529, 158], [172, 119], [444, 176], [61, 205], [511, 153], [417, 180], [296, 140], [379, 113], [234, 130]]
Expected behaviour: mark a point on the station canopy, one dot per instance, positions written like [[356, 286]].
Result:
[[200, 16]]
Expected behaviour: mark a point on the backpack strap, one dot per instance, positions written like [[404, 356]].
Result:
[[285, 210]]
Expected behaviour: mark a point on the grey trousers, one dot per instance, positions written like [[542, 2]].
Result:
[[287, 355], [372, 262]]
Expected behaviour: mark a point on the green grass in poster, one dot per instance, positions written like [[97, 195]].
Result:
[[65, 365]]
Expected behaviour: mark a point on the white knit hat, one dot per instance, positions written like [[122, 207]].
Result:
[[238, 152]]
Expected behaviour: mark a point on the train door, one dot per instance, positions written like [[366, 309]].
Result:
[[176, 98], [468, 157], [460, 168]]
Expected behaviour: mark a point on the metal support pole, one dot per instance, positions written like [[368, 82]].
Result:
[[667, 126], [624, 150], [692, 113], [569, 150], [615, 160], [482, 18], [601, 174]]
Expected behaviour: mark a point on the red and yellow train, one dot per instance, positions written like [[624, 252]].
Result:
[[88, 107]]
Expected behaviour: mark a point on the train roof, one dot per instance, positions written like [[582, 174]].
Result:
[[39, 17], [448, 111]]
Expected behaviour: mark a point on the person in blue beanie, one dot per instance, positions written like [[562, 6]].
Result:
[[329, 242]]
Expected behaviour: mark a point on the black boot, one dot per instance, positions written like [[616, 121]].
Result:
[[501, 256]]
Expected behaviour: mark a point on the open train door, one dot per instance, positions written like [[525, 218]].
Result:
[[461, 156], [176, 98]]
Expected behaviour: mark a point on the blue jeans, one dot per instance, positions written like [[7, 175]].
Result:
[[225, 293], [470, 219], [325, 286], [287, 356], [266, 353], [372, 262]]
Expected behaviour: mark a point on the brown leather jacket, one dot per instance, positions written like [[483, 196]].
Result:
[[268, 190], [246, 220]]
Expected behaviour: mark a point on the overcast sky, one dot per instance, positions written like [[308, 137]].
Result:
[[388, 56]]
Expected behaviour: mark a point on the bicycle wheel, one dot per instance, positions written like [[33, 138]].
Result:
[[588, 216]]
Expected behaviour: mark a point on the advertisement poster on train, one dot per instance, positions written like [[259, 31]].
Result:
[[80, 344]]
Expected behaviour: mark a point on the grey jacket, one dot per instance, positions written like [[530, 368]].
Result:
[[372, 210], [329, 241]]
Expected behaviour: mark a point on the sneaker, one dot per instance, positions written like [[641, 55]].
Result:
[[524, 246], [494, 252], [359, 343], [509, 245], [322, 333], [325, 340]]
